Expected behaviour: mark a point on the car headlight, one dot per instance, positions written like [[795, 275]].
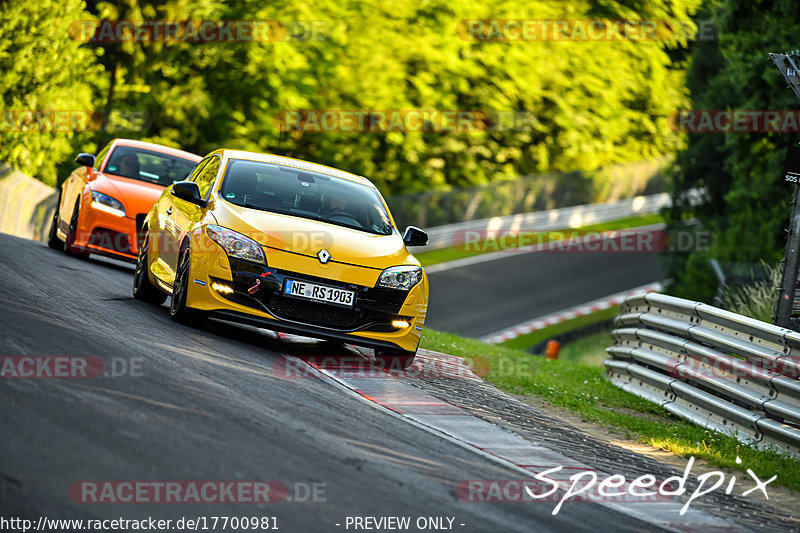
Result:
[[400, 277], [236, 245], [108, 204]]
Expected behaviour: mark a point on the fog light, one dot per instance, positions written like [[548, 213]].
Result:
[[400, 324], [219, 287]]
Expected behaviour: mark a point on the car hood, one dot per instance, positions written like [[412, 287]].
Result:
[[308, 237], [137, 196]]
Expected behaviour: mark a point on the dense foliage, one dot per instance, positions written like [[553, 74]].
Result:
[[41, 69], [748, 205], [585, 104]]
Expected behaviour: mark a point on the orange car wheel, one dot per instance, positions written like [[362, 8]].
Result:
[[52, 239], [71, 234]]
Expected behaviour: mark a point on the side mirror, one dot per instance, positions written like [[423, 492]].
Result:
[[85, 160], [189, 191], [415, 237]]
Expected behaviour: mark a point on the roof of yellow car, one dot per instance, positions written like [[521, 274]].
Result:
[[296, 163]]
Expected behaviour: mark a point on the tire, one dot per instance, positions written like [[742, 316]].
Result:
[[143, 289], [73, 228], [177, 307], [52, 239], [394, 359]]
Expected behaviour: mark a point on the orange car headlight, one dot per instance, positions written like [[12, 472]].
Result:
[[107, 203]]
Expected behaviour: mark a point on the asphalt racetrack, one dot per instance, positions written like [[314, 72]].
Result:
[[483, 298], [209, 405]]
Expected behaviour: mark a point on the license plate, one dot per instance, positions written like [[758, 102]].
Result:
[[320, 293]]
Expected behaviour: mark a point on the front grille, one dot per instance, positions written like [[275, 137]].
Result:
[[374, 308], [318, 314]]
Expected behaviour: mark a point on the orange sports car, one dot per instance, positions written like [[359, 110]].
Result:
[[103, 203]]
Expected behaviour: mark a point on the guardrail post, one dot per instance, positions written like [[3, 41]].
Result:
[[787, 65], [783, 311]]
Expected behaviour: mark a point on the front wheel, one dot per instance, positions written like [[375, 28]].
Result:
[[178, 309], [52, 238], [72, 233], [142, 288], [394, 359]]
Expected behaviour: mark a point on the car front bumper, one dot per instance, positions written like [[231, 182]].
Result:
[[104, 233], [245, 292]]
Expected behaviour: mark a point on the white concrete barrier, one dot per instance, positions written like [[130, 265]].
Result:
[[26, 205]]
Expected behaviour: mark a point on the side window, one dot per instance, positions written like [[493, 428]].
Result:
[[98, 161], [205, 179]]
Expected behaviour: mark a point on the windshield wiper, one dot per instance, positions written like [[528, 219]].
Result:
[[248, 205]]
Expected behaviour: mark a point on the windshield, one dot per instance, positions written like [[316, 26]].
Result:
[[144, 165], [307, 194]]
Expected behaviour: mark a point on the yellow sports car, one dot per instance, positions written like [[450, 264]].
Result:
[[287, 245]]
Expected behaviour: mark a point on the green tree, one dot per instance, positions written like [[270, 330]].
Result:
[[747, 207], [588, 104], [583, 104], [42, 69]]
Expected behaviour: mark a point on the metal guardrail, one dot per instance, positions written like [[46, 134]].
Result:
[[553, 219], [717, 369]]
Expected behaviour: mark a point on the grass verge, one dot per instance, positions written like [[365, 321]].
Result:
[[523, 342], [491, 245], [589, 350], [582, 389]]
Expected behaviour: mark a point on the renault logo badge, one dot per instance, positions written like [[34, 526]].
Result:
[[324, 256]]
